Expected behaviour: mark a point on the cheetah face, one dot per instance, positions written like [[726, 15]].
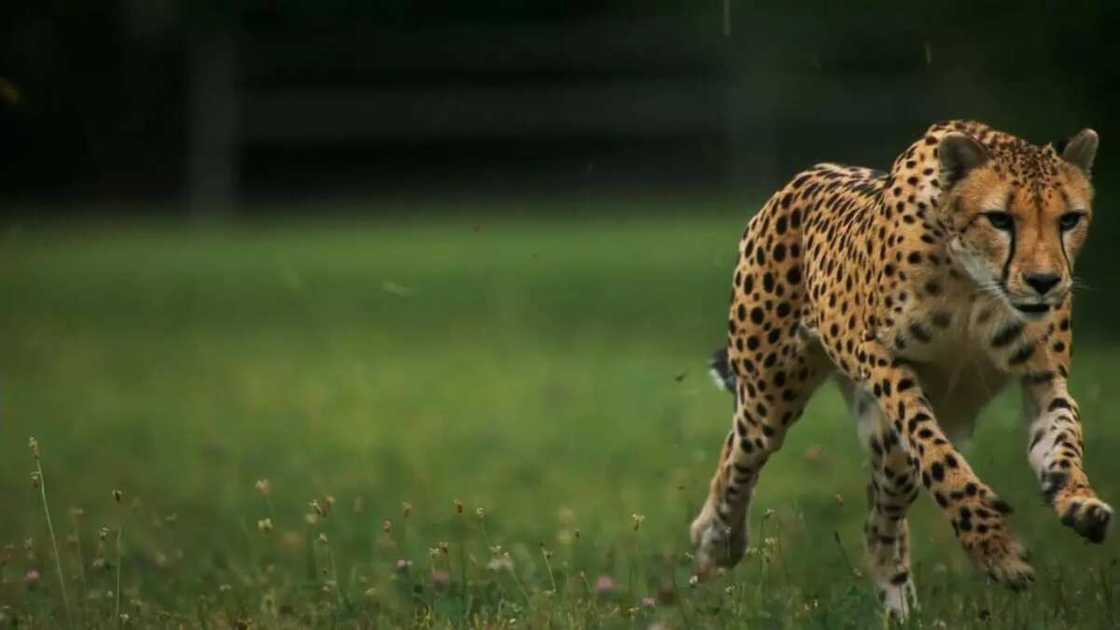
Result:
[[1018, 217]]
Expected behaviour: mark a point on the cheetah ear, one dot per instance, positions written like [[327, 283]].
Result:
[[1081, 149], [959, 154]]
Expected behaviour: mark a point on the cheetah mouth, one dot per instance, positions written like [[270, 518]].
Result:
[[1033, 310]]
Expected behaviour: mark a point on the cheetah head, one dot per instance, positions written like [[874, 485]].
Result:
[[1018, 215]]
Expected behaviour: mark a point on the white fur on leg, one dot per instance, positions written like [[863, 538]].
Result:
[[717, 544], [899, 600]]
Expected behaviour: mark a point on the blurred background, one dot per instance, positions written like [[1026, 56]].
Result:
[[425, 251], [205, 104]]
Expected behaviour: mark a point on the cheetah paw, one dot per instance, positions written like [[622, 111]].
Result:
[[899, 600], [717, 544], [1006, 563], [1090, 517]]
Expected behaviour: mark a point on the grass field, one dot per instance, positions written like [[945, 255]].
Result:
[[448, 388]]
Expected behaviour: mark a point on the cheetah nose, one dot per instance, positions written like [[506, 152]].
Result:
[[1042, 282]]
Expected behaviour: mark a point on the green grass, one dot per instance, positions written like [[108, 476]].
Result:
[[550, 372]]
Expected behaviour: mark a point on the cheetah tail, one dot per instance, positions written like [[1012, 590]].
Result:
[[720, 369]]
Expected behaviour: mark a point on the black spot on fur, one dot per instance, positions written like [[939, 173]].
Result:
[[1007, 334]]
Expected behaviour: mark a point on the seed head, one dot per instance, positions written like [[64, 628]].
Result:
[[443, 548], [118, 496], [637, 518], [500, 562], [33, 444], [322, 538], [265, 525], [605, 585], [36, 480], [440, 578], [480, 512], [264, 486], [387, 526], [406, 509]]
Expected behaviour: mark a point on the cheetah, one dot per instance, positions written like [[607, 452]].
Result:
[[925, 291]]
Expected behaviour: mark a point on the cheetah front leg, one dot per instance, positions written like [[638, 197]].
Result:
[[976, 512], [1055, 452], [1056, 446]]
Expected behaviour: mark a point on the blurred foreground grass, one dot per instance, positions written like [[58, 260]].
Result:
[[546, 375]]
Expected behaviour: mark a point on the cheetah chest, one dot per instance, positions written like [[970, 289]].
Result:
[[945, 341]]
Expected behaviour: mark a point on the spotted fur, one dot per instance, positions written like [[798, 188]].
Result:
[[925, 290]]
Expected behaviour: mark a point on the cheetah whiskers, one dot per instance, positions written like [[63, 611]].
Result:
[[1077, 283]]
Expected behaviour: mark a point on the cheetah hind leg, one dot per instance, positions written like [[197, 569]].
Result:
[[892, 489], [720, 531]]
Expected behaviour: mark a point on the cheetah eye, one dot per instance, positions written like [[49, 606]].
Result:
[[1000, 220], [1069, 220]]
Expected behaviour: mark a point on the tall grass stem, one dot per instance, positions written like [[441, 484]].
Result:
[[42, 483]]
